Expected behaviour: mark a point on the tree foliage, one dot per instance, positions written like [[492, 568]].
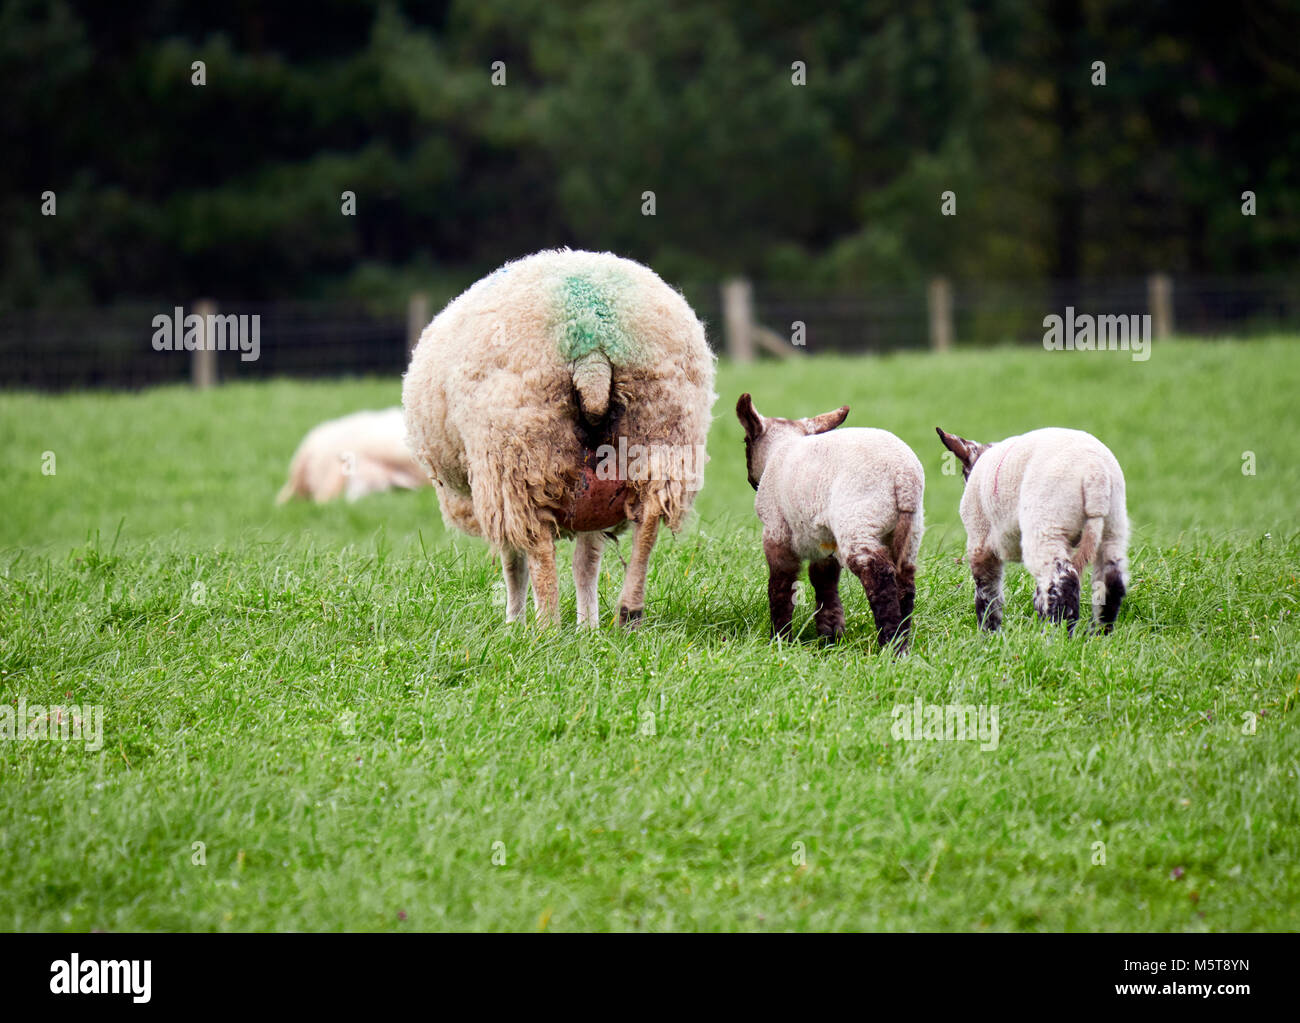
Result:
[[168, 190]]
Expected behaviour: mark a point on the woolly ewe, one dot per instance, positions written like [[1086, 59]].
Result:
[[850, 498], [360, 454], [1053, 499], [519, 387]]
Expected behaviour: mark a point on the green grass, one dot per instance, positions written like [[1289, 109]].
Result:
[[349, 727]]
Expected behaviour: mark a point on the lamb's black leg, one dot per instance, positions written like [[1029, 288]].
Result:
[[906, 595], [879, 578], [1113, 578], [1062, 596], [782, 577], [986, 568], [825, 578]]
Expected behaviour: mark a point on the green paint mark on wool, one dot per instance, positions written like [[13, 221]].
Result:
[[588, 322]]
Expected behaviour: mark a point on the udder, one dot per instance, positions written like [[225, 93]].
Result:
[[596, 503]]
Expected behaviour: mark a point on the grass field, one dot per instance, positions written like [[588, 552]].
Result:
[[328, 699]]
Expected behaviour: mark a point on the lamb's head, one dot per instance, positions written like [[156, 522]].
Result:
[[764, 433], [967, 451]]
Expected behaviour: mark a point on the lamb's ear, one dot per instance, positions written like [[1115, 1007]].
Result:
[[748, 416], [827, 421], [965, 450]]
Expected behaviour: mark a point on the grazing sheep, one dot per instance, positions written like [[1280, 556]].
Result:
[[521, 389], [850, 498], [1053, 499], [360, 454]]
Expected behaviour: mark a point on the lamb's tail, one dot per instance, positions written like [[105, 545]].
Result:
[[1096, 506], [593, 379]]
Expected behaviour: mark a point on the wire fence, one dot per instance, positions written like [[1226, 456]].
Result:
[[115, 346], [118, 346]]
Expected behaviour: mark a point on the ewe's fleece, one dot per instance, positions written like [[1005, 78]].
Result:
[[356, 455], [508, 376]]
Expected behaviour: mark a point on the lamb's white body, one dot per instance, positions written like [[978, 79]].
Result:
[[363, 453], [840, 491], [836, 499], [1053, 499]]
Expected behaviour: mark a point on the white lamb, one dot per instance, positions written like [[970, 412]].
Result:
[[364, 453], [1053, 499], [850, 498]]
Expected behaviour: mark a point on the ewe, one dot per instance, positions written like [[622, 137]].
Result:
[[1053, 499], [520, 390], [360, 454], [849, 498]]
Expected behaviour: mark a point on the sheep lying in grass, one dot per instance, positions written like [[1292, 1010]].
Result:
[[360, 454], [1053, 499], [520, 391], [850, 498]]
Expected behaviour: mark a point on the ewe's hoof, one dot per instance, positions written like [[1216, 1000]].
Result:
[[630, 619]]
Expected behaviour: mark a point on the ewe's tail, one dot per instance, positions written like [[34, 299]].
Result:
[[593, 380], [1096, 506]]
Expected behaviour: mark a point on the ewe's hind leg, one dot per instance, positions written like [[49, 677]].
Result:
[[515, 567], [631, 602], [871, 564], [1109, 583], [586, 577], [825, 578], [1056, 595], [546, 584], [986, 568]]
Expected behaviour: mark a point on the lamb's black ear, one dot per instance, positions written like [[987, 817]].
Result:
[[965, 450], [748, 416], [827, 421]]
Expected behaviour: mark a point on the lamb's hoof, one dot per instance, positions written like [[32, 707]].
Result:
[[897, 645], [830, 625], [1056, 618], [630, 619]]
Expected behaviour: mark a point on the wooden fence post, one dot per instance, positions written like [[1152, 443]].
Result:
[[939, 300], [738, 319], [1160, 302], [203, 367], [417, 318]]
